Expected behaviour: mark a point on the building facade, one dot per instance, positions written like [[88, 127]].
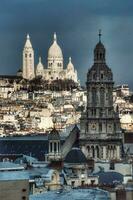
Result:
[[55, 64], [100, 136]]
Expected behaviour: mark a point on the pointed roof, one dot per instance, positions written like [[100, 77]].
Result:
[[54, 135], [28, 42]]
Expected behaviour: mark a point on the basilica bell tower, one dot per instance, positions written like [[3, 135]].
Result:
[[100, 136], [28, 60]]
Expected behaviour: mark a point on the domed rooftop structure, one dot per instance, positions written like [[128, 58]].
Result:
[[55, 50], [70, 66], [75, 156], [39, 66], [54, 135]]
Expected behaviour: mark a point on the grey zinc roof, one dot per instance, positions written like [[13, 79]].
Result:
[[14, 175], [54, 135], [76, 194], [10, 166], [75, 156]]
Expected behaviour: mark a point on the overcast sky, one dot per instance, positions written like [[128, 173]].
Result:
[[76, 23]]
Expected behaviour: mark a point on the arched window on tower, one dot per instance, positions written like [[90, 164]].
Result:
[[100, 127], [97, 151], [93, 152], [26, 55], [102, 93], [94, 100]]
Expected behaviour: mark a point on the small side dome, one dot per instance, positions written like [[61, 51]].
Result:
[[39, 68], [55, 50], [75, 156], [54, 135], [70, 66]]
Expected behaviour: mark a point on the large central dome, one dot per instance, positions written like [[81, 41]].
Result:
[[55, 51]]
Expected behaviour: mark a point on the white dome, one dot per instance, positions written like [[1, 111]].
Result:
[[55, 51], [70, 66]]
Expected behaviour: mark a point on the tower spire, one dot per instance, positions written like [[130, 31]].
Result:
[[55, 37], [28, 37], [100, 34]]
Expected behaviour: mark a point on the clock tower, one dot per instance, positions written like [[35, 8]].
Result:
[[100, 136]]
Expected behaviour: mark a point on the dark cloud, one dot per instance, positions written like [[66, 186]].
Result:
[[76, 23]]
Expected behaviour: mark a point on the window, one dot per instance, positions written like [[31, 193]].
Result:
[[73, 183], [100, 127], [30, 55], [93, 96], [101, 55], [24, 198], [82, 183], [102, 96], [92, 182], [112, 166], [94, 76], [55, 147], [50, 146], [93, 112], [26, 55], [102, 76], [24, 190]]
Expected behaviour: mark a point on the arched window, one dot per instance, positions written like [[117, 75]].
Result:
[[100, 127], [97, 151], [88, 148], [30, 55], [93, 151], [93, 96], [26, 55], [50, 146], [102, 96], [101, 75], [55, 147]]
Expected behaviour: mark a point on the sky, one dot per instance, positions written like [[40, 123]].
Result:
[[76, 23]]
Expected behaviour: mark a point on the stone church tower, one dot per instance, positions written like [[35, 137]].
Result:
[[100, 136], [28, 60]]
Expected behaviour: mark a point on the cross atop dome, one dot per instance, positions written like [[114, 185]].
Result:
[[100, 35]]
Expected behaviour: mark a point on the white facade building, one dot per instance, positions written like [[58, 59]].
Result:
[[55, 64], [54, 70]]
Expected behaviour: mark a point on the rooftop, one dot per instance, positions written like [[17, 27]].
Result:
[[76, 194], [16, 175]]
